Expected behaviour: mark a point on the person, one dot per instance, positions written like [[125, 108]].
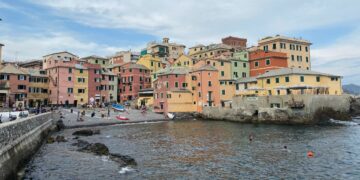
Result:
[[93, 114], [143, 110], [108, 111], [251, 137]]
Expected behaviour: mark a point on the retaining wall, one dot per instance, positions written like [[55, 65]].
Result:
[[20, 139]]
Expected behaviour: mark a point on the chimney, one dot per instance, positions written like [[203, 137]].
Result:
[[165, 40]]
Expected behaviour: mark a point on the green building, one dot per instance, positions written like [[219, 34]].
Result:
[[240, 67]]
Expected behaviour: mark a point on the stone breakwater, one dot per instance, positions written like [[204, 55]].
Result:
[[310, 109], [20, 139]]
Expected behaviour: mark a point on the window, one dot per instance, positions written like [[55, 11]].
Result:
[[256, 64], [184, 85], [235, 64], [176, 84], [167, 84], [274, 46], [223, 92], [236, 74], [70, 90], [103, 62], [267, 62], [199, 93], [287, 79], [244, 65], [69, 78], [244, 74], [209, 83], [82, 80], [306, 49], [302, 78], [70, 70], [292, 57], [130, 88], [222, 73], [81, 91], [130, 70], [21, 87], [277, 80], [158, 64], [214, 64], [21, 77], [168, 96], [152, 63], [307, 59], [222, 63], [81, 71], [266, 48], [282, 46], [4, 77], [317, 78], [96, 61], [268, 81]]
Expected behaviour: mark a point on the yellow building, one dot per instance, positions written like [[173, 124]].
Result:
[[38, 93], [288, 81], [184, 61], [180, 101], [81, 85], [222, 64], [227, 92], [152, 63], [146, 97], [297, 50], [246, 87], [212, 50]]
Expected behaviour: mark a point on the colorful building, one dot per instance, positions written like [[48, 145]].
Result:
[[235, 42], [264, 61], [287, 81], [13, 86], [184, 61], [164, 49], [34, 64], [152, 63], [94, 59], [81, 88], [210, 51], [124, 57], [132, 79], [38, 90], [221, 63], [297, 50], [240, 67]]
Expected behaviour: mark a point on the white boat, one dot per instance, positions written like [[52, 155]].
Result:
[[170, 116]]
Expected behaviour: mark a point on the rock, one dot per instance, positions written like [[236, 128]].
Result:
[[60, 139], [123, 160], [96, 148], [50, 140], [325, 114], [355, 106], [60, 125], [81, 143], [86, 132]]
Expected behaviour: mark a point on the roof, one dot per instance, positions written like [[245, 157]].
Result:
[[93, 56], [290, 71], [277, 37], [199, 45], [36, 72], [107, 72], [246, 80], [31, 62], [206, 67], [175, 70], [137, 66], [60, 53], [12, 69]]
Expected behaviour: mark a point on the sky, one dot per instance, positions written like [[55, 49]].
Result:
[[31, 29]]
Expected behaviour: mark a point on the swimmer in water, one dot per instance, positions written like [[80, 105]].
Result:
[[286, 149], [251, 137]]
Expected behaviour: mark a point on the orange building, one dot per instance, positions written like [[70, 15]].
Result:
[[264, 61]]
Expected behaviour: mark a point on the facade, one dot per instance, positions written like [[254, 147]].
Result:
[[103, 62], [184, 61], [94, 82], [111, 88], [294, 81], [235, 42], [124, 57], [81, 80], [145, 97], [132, 79], [264, 61], [13, 86], [227, 92], [152, 63], [164, 49], [222, 64], [247, 87], [38, 88], [297, 50], [240, 67], [210, 51]]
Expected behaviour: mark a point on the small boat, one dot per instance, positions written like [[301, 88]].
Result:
[[170, 116], [118, 107], [122, 118]]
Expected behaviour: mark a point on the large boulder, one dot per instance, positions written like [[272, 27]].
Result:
[[123, 160], [327, 113], [355, 106], [96, 148], [86, 132]]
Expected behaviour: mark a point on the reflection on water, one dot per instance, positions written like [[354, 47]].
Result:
[[208, 150]]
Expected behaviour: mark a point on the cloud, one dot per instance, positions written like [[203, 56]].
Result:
[[207, 21], [35, 46]]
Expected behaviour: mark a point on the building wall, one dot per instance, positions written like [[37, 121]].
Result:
[[202, 88], [240, 65], [235, 42], [184, 61], [223, 66], [152, 63], [93, 81], [277, 60], [81, 98], [304, 62], [309, 80], [14, 83], [180, 102], [227, 90], [43, 97], [58, 59]]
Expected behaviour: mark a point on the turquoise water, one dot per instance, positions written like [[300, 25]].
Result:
[[208, 150]]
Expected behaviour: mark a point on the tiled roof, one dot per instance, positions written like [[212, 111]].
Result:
[[246, 80], [36, 72], [60, 53], [93, 56], [79, 66], [175, 70], [137, 66], [289, 71], [11, 69], [206, 68]]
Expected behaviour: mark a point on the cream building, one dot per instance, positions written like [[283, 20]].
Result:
[[297, 50]]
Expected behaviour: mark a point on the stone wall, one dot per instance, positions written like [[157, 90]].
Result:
[[20, 139], [259, 109]]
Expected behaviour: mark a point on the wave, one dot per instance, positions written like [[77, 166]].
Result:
[[125, 170], [345, 123]]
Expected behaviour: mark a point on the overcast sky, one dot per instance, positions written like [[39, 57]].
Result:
[[32, 28]]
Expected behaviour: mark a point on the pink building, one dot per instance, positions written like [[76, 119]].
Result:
[[94, 82]]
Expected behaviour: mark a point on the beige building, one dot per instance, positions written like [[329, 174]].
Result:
[[297, 50], [210, 51], [103, 62]]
